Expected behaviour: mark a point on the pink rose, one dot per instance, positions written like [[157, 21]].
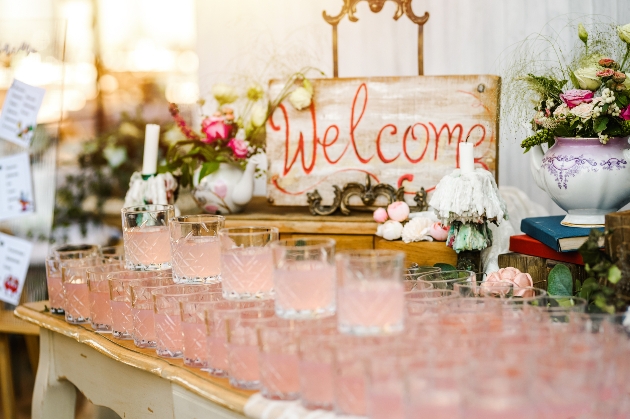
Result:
[[519, 279], [574, 97], [607, 62], [398, 211], [215, 129], [380, 215], [439, 232], [605, 73], [220, 188], [619, 77], [625, 113], [239, 147]]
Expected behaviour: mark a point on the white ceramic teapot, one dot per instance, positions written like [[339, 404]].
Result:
[[584, 177], [229, 189]]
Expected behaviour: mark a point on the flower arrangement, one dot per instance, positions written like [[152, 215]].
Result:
[[514, 276], [228, 136], [588, 97], [396, 222]]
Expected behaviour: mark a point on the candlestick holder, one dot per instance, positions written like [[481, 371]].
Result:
[[158, 189]]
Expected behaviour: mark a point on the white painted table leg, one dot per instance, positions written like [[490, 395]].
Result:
[[53, 397]]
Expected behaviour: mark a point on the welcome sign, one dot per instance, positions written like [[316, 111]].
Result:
[[403, 131]]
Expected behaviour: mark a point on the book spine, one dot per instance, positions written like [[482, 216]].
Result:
[[532, 248], [542, 235]]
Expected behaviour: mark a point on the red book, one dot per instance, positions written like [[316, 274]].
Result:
[[529, 246]]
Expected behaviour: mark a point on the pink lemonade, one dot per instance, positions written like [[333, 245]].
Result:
[[194, 344], [247, 272], [55, 291], [316, 384], [305, 289], [147, 245], [143, 328], [168, 330], [122, 319], [433, 411], [217, 356], [514, 412], [387, 406], [350, 396], [100, 310], [196, 257], [77, 305], [280, 376], [368, 307], [243, 366]]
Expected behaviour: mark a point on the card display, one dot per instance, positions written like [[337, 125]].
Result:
[[15, 255], [16, 186], [19, 113]]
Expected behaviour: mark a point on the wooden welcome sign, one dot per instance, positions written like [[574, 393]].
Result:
[[402, 131]]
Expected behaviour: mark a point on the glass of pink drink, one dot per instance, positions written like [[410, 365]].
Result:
[[98, 287], [196, 249], [371, 294], [120, 298], [316, 370], [167, 314], [143, 311], [55, 289], [146, 237], [113, 254], [242, 346], [217, 315], [75, 289], [194, 330], [279, 360], [304, 278], [247, 262]]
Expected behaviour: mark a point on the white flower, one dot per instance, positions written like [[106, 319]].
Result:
[[583, 110], [417, 230], [561, 110], [259, 116], [224, 93], [587, 78], [300, 98], [624, 33], [390, 230]]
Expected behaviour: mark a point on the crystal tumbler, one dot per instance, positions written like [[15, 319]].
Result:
[[98, 287], [55, 288], [194, 330], [76, 293], [279, 360], [448, 279], [196, 249], [146, 237], [304, 278], [371, 292], [247, 262]]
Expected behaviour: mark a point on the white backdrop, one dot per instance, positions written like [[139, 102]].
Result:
[[261, 39]]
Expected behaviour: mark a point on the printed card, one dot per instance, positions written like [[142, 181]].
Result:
[[15, 255], [19, 113], [16, 187]]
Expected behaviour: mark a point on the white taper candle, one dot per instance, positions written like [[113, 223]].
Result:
[[466, 158], [151, 141]]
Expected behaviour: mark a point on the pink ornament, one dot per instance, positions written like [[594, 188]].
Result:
[[398, 211], [439, 232], [211, 209], [215, 129], [239, 147], [380, 215]]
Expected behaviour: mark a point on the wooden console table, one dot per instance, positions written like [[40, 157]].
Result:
[[133, 382]]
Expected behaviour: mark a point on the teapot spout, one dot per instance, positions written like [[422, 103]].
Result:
[[535, 165], [244, 189]]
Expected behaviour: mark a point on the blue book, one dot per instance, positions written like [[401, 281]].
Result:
[[549, 231]]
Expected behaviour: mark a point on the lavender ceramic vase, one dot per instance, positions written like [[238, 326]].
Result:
[[584, 177]]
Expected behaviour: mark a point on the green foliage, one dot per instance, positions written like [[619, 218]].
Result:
[[603, 286], [543, 136], [445, 267], [546, 87], [560, 281]]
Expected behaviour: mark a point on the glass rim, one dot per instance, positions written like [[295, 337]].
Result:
[[449, 294], [456, 271], [71, 248], [579, 302], [197, 219], [139, 209], [252, 230], [182, 294], [111, 274], [311, 243], [378, 254]]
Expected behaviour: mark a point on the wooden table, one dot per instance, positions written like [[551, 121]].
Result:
[[133, 382]]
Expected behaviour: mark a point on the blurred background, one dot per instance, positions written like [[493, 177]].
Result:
[[111, 66]]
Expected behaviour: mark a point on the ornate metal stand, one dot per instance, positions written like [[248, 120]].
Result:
[[368, 195], [404, 7]]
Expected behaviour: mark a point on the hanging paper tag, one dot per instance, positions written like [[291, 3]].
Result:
[[19, 113], [16, 187], [15, 255]]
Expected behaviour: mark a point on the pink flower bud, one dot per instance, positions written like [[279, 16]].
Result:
[[380, 215], [439, 232], [398, 211]]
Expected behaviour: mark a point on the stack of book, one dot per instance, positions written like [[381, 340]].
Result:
[[546, 243]]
